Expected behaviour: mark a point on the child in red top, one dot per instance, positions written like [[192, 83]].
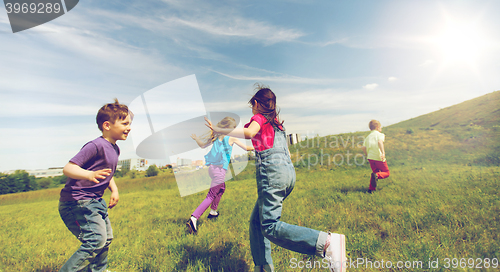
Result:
[[373, 147], [275, 181], [264, 139]]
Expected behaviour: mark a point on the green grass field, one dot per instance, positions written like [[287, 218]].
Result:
[[420, 214], [439, 209]]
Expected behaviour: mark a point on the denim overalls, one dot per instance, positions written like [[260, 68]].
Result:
[[275, 181]]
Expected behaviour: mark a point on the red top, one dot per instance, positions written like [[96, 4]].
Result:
[[264, 139]]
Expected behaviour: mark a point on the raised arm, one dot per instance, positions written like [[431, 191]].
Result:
[[74, 171], [243, 133], [233, 140]]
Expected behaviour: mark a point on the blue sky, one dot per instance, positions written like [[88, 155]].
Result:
[[334, 65]]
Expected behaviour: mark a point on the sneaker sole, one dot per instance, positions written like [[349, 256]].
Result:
[[191, 228], [212, 216], [338, 242]]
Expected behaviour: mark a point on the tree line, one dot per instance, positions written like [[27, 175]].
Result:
[[21, 181]]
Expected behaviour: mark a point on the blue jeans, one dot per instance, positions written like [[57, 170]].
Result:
[[88, 220], [275, 181]]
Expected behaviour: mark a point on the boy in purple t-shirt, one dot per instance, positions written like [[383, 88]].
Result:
[[89, 173]]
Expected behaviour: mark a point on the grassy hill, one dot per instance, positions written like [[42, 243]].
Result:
[[439, 209], [467, 133], [482, 111]]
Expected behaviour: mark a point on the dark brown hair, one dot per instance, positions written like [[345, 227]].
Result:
[[112, 112], [267, 104]]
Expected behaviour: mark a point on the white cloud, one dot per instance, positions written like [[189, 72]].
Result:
[[327, 101], [427, 63], [284, 79], [343, 41], [118, 56], [78, 62], [216, 22], [36, 148], [240, 27], [229, 106], [370, 86], [313, 125], [25, 147], [24, 108]]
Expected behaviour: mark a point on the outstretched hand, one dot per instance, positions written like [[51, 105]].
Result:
[[99, 174], [210, 126]]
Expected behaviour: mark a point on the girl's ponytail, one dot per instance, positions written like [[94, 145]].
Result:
[[267, 104]]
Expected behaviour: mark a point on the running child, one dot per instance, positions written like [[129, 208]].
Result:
[[90, 173], [373, 147], [275, 175], [217, 159]]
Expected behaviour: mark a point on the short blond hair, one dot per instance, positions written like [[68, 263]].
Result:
[[374, 124]]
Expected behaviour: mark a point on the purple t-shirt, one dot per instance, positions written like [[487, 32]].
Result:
[[95, 155]]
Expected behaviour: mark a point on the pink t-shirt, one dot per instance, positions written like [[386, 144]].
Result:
[[264, 139]]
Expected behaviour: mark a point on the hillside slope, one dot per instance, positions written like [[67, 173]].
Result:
[[482, 111], [467, 133]]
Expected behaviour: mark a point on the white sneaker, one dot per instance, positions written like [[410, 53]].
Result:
[[191, 223], [336, 254]]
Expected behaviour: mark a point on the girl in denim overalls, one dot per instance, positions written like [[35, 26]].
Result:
[[217, 160], [275, 181]]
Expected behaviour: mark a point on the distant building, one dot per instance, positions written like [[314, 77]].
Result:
[[133, 164], [293, 138], [46, 173], [198, 163], [183, 162]]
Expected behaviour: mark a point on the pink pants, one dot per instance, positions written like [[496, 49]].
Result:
[[381, 169], [217, 188]]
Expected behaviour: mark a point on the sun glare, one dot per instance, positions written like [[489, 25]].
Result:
[[461, 42]]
